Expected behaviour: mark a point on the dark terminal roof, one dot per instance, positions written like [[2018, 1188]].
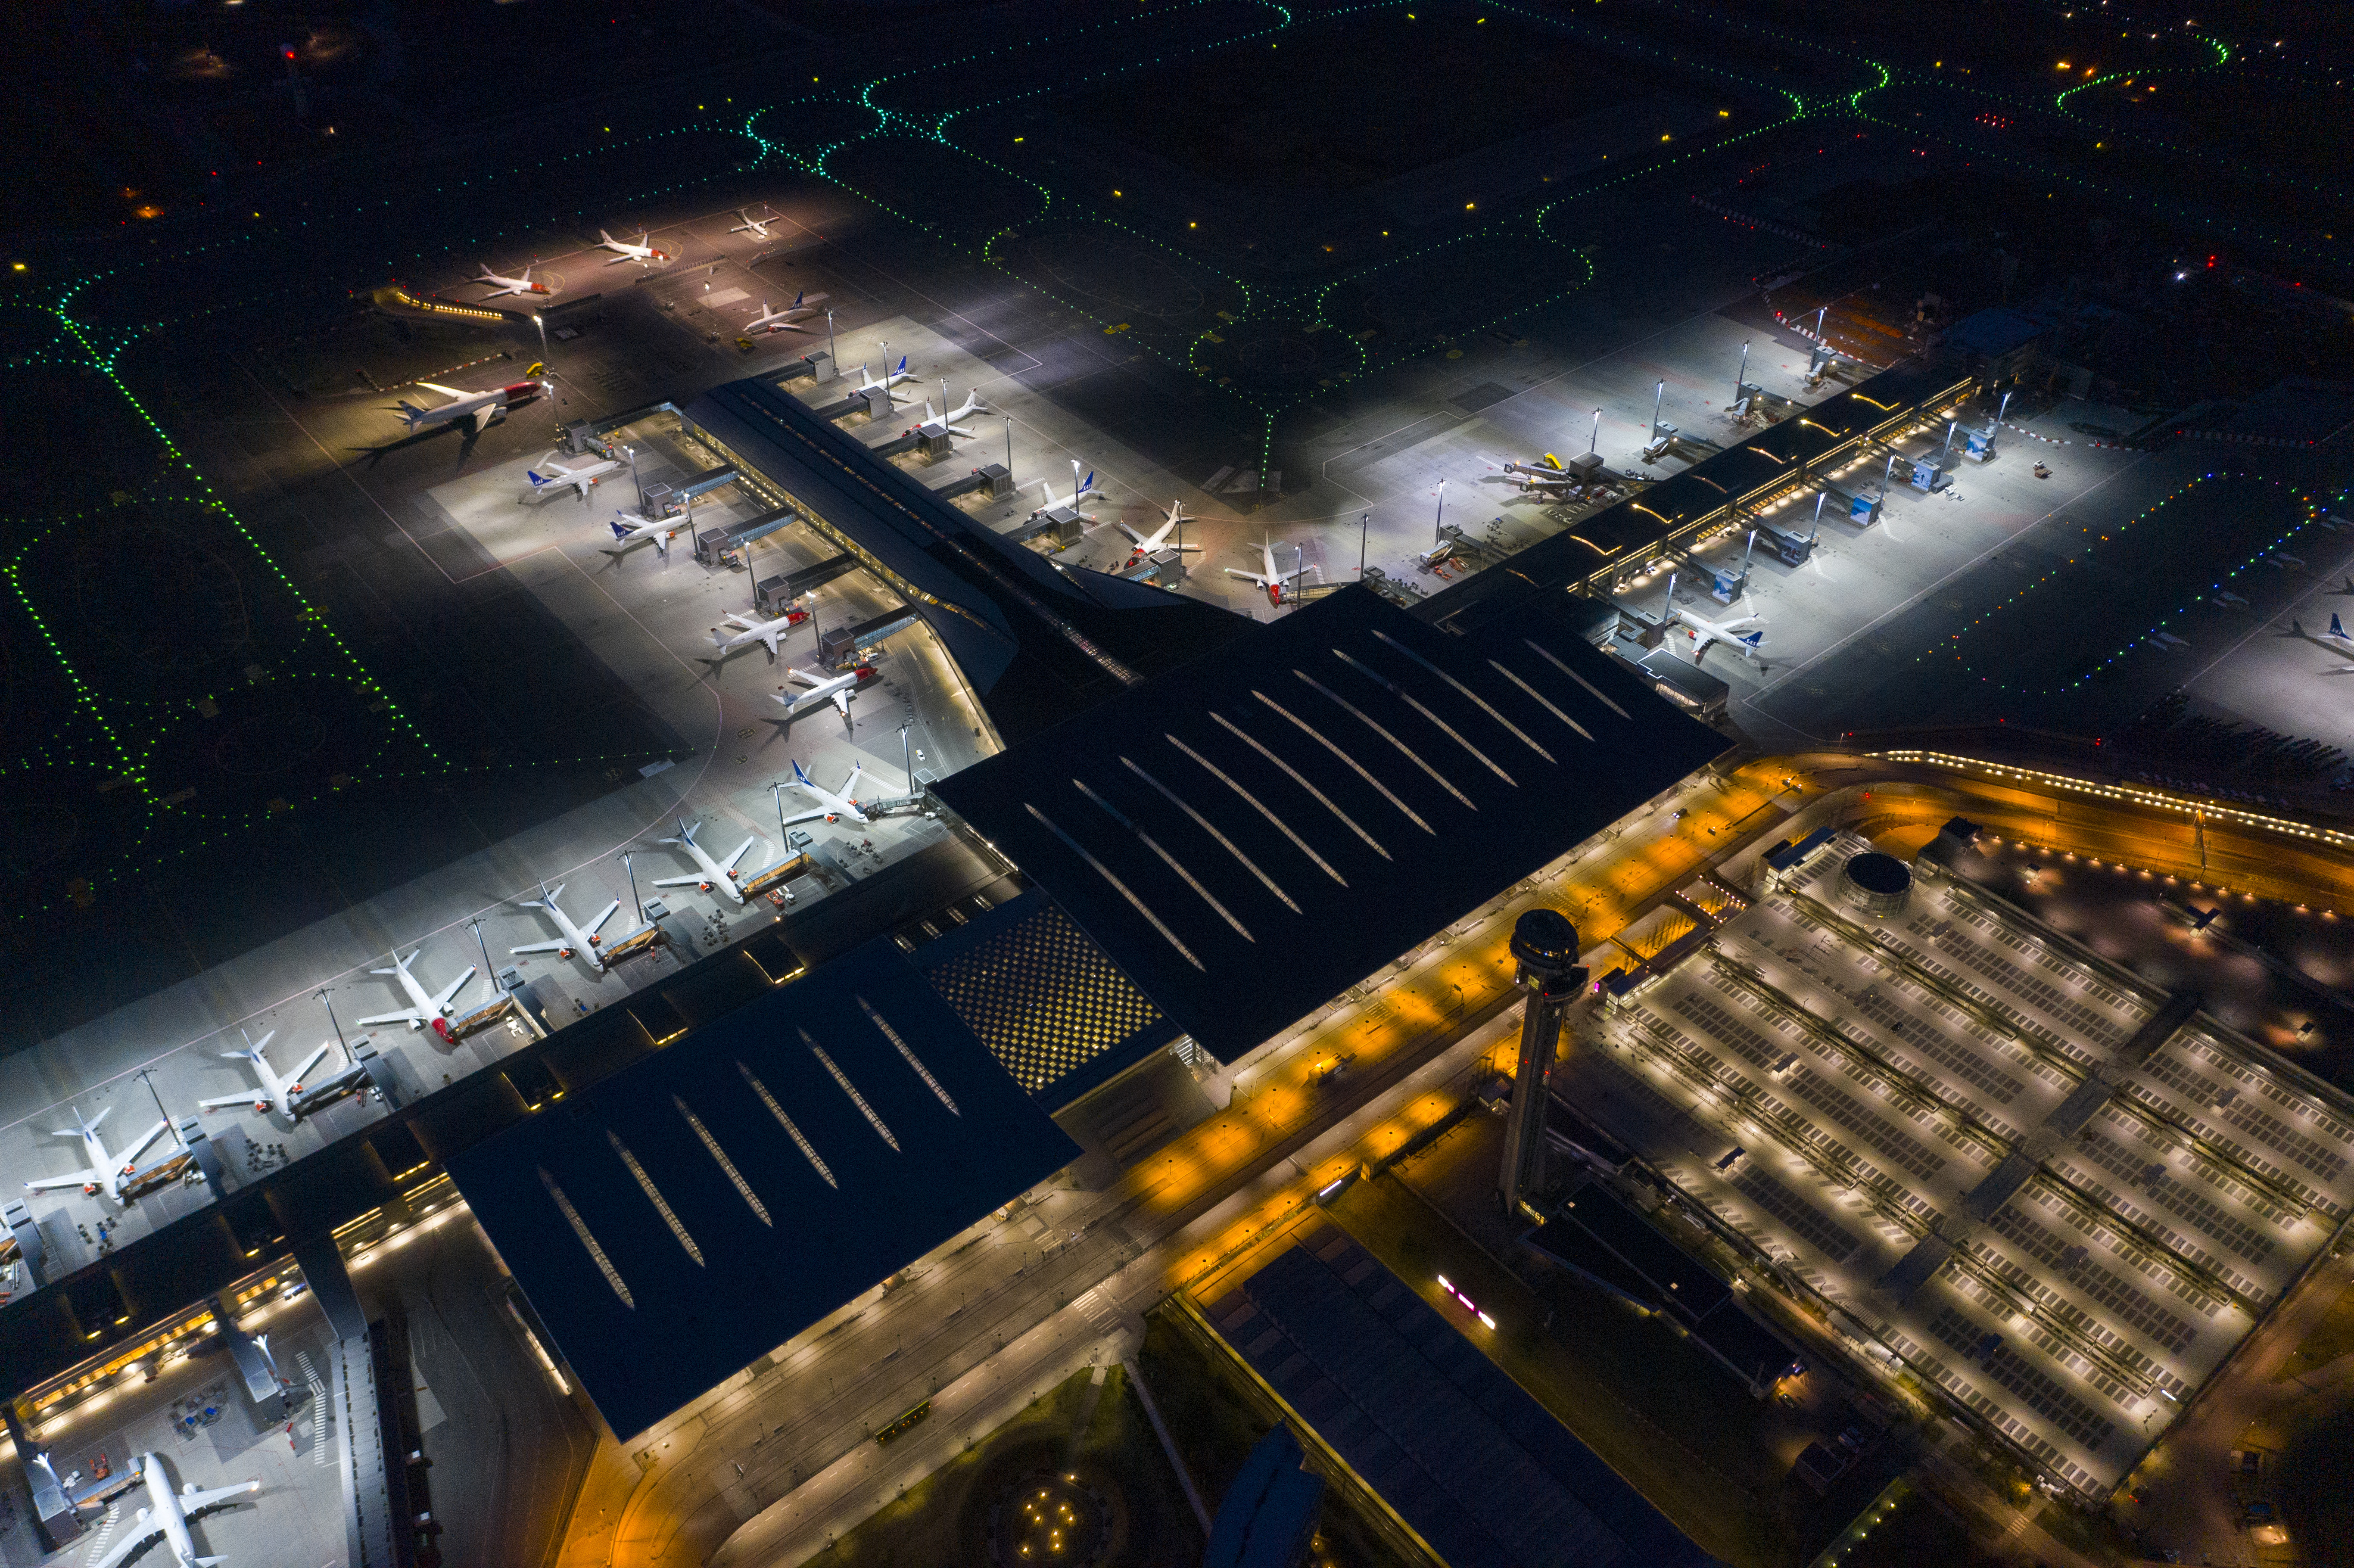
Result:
[[1252, 835], [1486, 1476], [694, 1210]]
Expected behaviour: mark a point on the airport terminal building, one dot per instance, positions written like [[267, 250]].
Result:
[[1199, 834]]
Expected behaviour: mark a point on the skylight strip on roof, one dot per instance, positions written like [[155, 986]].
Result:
[[711, 1147], [1204, 824], [1258, 805], [1542, 698], [1368, 721], [786, 1122], [1168, 860], [892, 1034], [1474, 697], [1119, 886], [849, 1088], [1581, 680], [1408, 698], [1313, 733], [580, 1228], [653, 1196], [1300, 778]]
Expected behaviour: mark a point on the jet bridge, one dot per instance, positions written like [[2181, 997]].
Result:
[[1665, 439]]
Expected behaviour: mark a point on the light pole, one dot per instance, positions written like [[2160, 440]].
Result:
[[831, 352], [1438, 524], [322, 994], [1009, 446], [1593, 441], [1364, 526], [488, 968], [630, 871], [782, 841]]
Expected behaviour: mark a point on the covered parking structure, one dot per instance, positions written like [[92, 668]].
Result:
[[2054, 1192]]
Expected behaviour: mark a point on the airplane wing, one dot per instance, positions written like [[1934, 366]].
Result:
[[146, 1530], [307, 1063], [803, 676], [599, 923], [150, 1136], [809, 816], [539, 947], [445, 391], [740, 850], [78, 1179], [1134, 537], [453, 987], [1701, 648], [617, 261], [771, 636], [842, 701], [193, 1502], [244, 1099], [1246, 577], [678, 881], [407, 1015]]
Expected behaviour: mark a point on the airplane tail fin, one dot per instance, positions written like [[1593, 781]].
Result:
[[901, 368], [619, 532], [538, 481], [2336, 628]]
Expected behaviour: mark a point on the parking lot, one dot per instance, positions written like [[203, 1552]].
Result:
[[1848, 1088]]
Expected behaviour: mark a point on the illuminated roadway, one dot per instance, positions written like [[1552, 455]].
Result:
[[998, 1315]]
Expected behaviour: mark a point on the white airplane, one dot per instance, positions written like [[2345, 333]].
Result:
[[107, 1173], [1546, 475], [167, 1513], [866, 382], [1741, 629], [477, 411], [625, 251], [831, 804], [1145, 545], [1081, 489], [751, 225], [424, 1007], [1272, 581], [837, 690], [2229, 599], [502, 287], [949, 421], [709, 874], [276, 1094], [792, 318], [580, 477], [579, 941], [629, 526], [770, 632]]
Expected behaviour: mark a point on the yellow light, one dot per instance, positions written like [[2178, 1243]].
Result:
[[1665, 137], [1467, 208], [1193, 226], [1724, 114], [1115, 192], [2062, 66]]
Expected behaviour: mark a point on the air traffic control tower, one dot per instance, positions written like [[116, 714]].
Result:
[[1544, 944]]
